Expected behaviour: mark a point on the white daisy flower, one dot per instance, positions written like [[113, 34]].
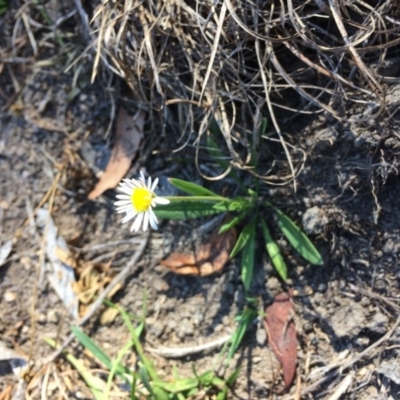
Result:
[[137, 201]]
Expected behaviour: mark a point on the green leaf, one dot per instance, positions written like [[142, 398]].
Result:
[[186, 209], [245, 319], [263, 127], [248, 257], [206, 378], [191, 188], [234, 221], [298, 239], [160, 394], [243, 238], [223, 394], [214, 149], [222, 206], [238, 204], [274, 252], [232, 378], [88, 343], [178, 386]]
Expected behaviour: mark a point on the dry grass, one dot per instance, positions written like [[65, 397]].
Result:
[[239, 61]]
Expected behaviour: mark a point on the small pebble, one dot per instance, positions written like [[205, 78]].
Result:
[[26, 262], [261, 336], [53, 316], [10, 296], [160, 285], [41, 318]]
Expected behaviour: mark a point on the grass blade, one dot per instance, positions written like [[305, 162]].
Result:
[[245, 319], [298, 239], [91, 346], [248, 256], [95, 384], [191, 188], [274, 252]]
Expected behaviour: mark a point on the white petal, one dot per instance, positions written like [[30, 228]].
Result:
[[122, 203], [153, 219], [125, 209], [138, 221], [142, 177], [128, 217], [123, 197], [125, 190], [161, 200], [149, 183], [154, 185], [130, 182], [146, 221]]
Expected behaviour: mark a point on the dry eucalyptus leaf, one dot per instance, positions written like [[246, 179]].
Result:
[[282, 335], [129, 134], [209, 259]]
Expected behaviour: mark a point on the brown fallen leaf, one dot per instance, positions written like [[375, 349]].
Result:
[[282, 337], [128, 136], [210, 258]]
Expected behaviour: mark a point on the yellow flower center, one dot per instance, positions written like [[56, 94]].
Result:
[[141, 199]]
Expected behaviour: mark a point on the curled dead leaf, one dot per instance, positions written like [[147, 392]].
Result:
[[129, 134], [282, 335], [209, 259]]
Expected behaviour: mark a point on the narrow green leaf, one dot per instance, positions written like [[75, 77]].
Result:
[[215, 151], [243, 238], [223, 394], [248, 257], [88, 343], [116, 365], [232, 378], [263, 127], [95, 384], [223, 206], [298, 239], [234, 221], [191, 188], [245, 319], [160, 394], [185, 209], [274, 252], [206, 378]]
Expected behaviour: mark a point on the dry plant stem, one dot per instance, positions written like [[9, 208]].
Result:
[[178, 352], [213, 50], [271, 110], [122, 276], [342, 387], [356, 57], [351, 362]]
